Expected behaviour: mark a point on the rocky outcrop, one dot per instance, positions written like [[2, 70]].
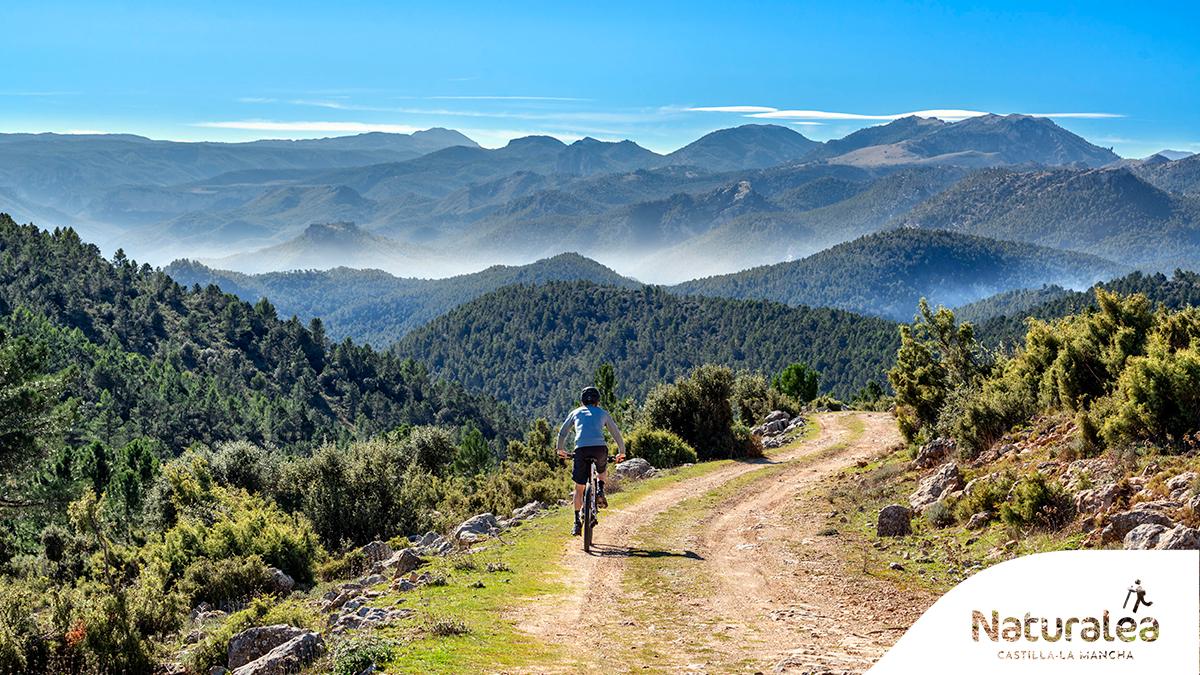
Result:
[[402, 562], [980, 520], [1143, 537], [377, 551], [258, 641], [281, 582], [933, 488], [778, 428], [634, 468], [1155, 536], [934, 453], [290, 656], [431, 544], [1097, 499], [1180, 487], [528, 511], [895, 520], [476, 528], [1120, 524]]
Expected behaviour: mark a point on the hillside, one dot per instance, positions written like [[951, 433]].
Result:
[[377, 308], [535, 346], [1180, 290], [885, 274], [1110, 213], [987, 140], [181, 367], [750, 146], [329, 245]]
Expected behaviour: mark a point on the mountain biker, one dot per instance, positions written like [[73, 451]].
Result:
[[589, 421]]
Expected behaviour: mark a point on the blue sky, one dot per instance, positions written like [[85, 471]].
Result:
[[1126, 74]]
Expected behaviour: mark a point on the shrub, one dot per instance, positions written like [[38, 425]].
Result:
[[1036, 500], [698, 410], [662, 449], [939, 515], [213, 649], [986, 494], [349, 566], [750, 397], [223, 583], [246, 465], [827, 402], [21, 647], [357, 655]]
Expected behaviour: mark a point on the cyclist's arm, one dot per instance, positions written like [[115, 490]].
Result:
[[562, 433], [611, 424]]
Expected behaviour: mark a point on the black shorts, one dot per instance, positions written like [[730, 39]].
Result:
[[580, 472]]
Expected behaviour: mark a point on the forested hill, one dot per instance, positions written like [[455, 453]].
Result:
[[1182, 289], [377, 308], [148, 358], [535, 346], [885, 274]]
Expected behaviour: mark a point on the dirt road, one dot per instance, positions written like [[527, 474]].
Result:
[[726, 572]]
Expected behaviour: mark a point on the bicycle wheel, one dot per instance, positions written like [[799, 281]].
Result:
[[589, 508]]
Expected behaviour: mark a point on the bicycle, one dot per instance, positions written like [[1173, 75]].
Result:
[[589, 512]]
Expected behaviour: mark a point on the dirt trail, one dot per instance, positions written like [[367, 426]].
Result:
[[774, 595]]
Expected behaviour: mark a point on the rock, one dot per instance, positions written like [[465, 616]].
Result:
[[895, 520], [896, 566], [634, 468], [1097, 499], [372, 579], [1143, 537], [528, 511], [288, 657], [776, 416], [218, 670], [1160, 505], [980, 520], [932, 488], [475, 528], [1181, 485], [281, 583], [1120, 524], [404, 561], [253, 643], [377, 551], [934, 453], [1179, 538]]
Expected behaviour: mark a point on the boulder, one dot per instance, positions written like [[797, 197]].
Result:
[[934, 453], [1097, 499], [475, 528], [980, 520], [776, 416], [377, 551], [894, 520], [932, 488], [1143, 537], [1160, 505], [255, 642], [634, 468], [1179, 538], [1180, 486], [528, 511], [402, 562], [288, 657], [1120, 524], [281, 582]]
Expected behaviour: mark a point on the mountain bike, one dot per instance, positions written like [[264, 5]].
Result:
[[590, 512]]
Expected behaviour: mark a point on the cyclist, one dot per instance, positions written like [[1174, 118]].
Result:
[[589, 421]]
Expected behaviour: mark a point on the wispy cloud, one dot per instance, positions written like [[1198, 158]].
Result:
[[322, 127], [809, 124], [734, 109], [256, 99], [506, 98]]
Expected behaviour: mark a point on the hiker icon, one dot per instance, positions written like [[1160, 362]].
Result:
[[1138, 594]]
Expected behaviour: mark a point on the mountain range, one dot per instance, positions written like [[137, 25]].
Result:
[[734, 198]]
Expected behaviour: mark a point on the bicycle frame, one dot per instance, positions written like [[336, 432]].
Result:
[[589, 512]]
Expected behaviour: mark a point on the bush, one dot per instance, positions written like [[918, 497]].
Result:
[[1038, 501], [798, 381], [939, 515], [698, 410], [213, 650], [224, 583], [986, 494], [663, 449], [357, 655], [352, 565], [246, 465], [21, 647], [750, 397]]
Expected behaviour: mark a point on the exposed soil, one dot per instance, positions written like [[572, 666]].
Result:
[[765, 591]]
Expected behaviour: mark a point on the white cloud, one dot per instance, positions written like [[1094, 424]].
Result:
[[734, 109], [507, 98], [809, 124], [330, 127]]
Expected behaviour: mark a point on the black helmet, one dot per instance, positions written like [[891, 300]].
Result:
[[590, 396]]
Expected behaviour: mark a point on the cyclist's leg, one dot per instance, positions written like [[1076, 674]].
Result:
[[580, 474]]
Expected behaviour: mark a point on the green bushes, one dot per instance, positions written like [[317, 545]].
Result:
[[225, 582], [214, 648], [357, 655], [662, 449], [797, 381], [698, 410], [986, 495], [21, 647], [1038, 501]]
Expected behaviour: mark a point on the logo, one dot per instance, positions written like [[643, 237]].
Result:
[[1138, 594]]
